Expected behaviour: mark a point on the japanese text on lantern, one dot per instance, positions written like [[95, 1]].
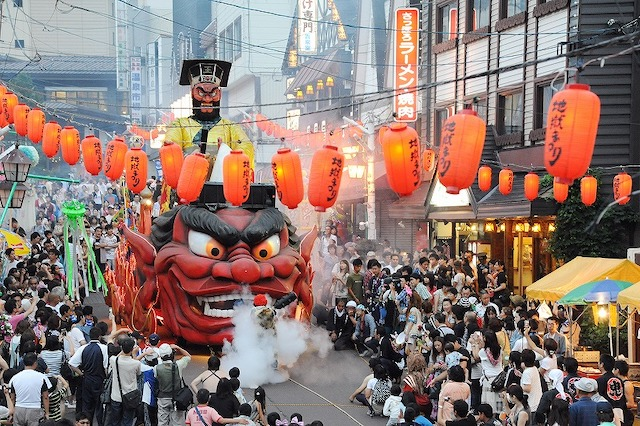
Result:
[[246, 178], [307, 27], [414, 146], [405, 102], [334, 178], [556, 117], [135, 170], [444, 162]]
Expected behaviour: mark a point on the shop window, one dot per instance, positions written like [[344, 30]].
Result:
[[544, 93], [510, 118], [478, 14], [509, 8], [447, 23]]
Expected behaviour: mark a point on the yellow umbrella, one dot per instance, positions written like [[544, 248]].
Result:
[[15, 242]]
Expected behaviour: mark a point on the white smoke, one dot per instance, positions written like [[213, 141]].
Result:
[[264, 357]]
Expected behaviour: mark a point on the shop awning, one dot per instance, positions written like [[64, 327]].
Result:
[[450, 207], [315, 69], [495, 205], [411, 206], [629, 298], [582, 270]]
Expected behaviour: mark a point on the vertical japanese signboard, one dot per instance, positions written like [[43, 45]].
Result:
[[405, 102], [136, 89], [307, 27]]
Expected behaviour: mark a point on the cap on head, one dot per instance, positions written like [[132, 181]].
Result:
[[260, 300], [586, 385], [154, 339], [352, 304], [360, 307], [165, 350], [213, 71], [604, 407]]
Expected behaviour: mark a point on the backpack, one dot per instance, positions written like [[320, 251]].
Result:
[[381, 391]]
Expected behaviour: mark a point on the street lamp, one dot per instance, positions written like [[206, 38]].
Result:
[[16, 168], [8, 201]]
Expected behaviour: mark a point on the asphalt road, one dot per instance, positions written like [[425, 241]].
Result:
[[318, 388]]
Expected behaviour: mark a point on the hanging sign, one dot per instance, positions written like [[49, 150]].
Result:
[[405, 102]]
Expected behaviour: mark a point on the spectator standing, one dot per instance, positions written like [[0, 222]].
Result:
[[354, 282], [169, 374], [611, 387], [488, 352], [125, 371], [453, 390], [553, 323], [520, 413], [30, 393], [621, 370], [531, 380], [583, 411]]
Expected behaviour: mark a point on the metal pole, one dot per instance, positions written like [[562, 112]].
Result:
[[6, 206], [371, 184], [53, 178]]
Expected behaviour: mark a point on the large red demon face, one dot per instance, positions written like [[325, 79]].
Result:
[[206, 100], [207, 262]]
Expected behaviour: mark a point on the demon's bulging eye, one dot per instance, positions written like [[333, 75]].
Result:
[[267, 248], [205, 245]]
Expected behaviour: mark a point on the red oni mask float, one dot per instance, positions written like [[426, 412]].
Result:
[[197, 264]]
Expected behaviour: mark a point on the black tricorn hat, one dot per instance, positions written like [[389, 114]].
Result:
[[205, 70]]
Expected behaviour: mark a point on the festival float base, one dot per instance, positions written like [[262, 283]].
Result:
[[201, 260]]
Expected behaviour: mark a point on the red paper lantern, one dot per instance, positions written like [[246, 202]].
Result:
[[531, 186], [171, 159], [622, 187], [92, 154], [588, 190], [70, 144], [192, 177], [484, 178], [401, 151], [114, 158], [9, 101], [560, 190], [35, 125], [505, 181], [261, 122], [51, 139], [428, 159], [3, 89], [20, 115], [324, 177], [460, 150], [136, 164], [287, 175], [236, 177], [572, 125]]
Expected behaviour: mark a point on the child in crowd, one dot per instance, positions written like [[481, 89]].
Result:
[[237, 391], [296, 420], [245, 413], [393, 406], [202, 414]]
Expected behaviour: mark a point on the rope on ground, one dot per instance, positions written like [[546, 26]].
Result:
[[331, 403]]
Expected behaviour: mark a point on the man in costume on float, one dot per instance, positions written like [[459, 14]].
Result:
[[206, 78]]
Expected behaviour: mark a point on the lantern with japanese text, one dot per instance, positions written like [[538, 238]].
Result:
[[51, 139], [401, 151], [324, 177], [560, 190], [484, 178], [588, 190], [9, 101], [35, 125], [460, 150], [428, 159], [92, 154], [70, 144], [114, 158], [287, 175], [236, 177], [171, 160], [195, 168], [572, 125], [505, 181], [531, 186], [20, 115], [136, 165], [622, 186]]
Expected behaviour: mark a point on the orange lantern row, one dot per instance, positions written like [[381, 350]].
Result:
[[193, 175], [70, 144], [92, 154], [115, 158], [287, 176], [588, 190], [236, 177], [325, 177], [505, 180], [572, 125], [51, 139], [35, 125], [484, 178], [401, 151], [144, 134], [20, 119], [622, 188], [171, 159], [136, 164]]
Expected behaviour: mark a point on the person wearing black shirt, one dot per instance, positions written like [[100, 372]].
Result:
[[483, 270], [341, 325], [463, 418], [609, 386]]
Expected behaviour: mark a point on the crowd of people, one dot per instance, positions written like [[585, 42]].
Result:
[[449, 343]]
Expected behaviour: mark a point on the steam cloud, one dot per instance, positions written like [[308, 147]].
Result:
[[255, 351]]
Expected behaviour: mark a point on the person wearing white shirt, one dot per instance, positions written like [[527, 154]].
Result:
[[30, 393]]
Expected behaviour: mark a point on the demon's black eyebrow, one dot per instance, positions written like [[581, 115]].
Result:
[[202, 220], [266, 223]]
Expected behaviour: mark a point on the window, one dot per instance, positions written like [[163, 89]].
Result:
[[544, 93], [95, 99], [512, 7], [17, 3], [510, 113], [480, 106], [237, 33], [19, 44], [478, 14], [447, 23]]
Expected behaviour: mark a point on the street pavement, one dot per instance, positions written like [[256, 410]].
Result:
[[318, 388]]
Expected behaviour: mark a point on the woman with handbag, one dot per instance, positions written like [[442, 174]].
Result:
[[486, 350]]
